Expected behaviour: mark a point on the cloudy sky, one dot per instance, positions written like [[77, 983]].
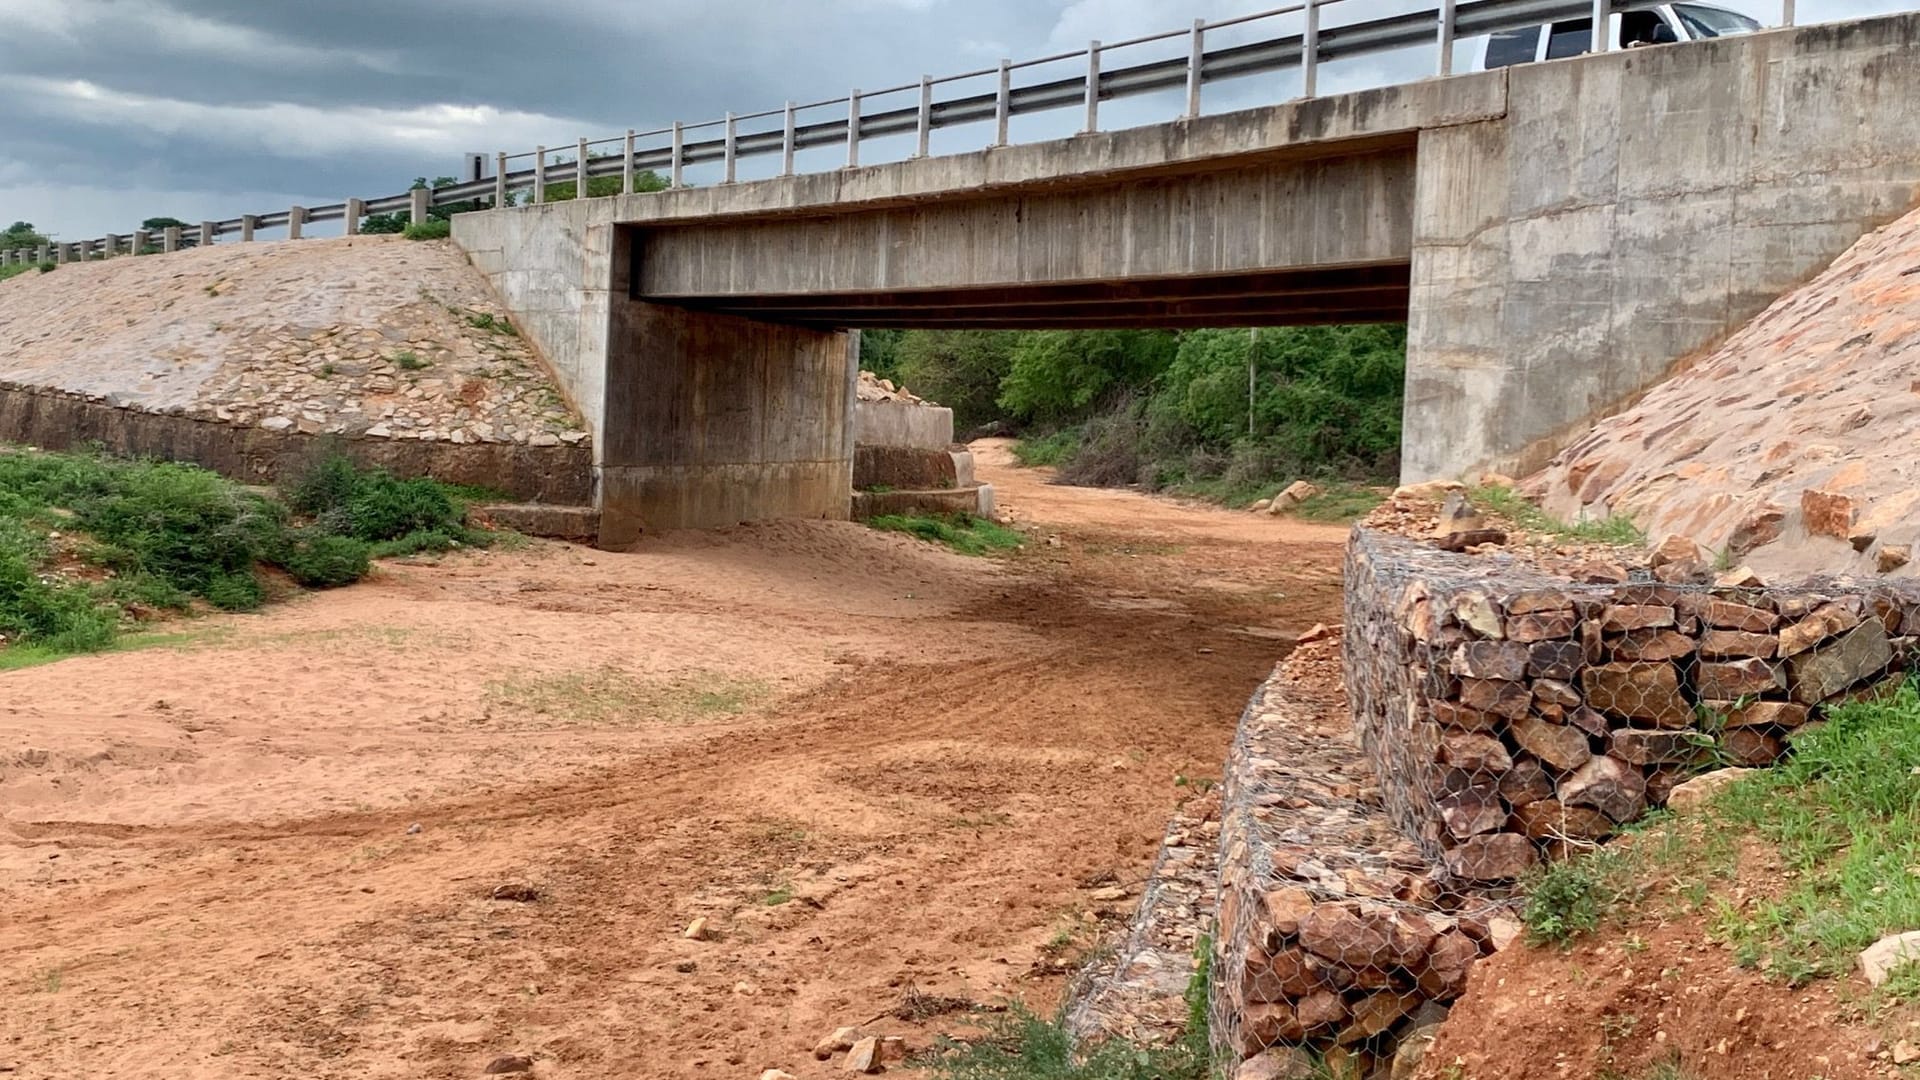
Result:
[[115, 110]]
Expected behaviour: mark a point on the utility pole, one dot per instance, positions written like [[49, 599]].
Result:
[[1253, 348]]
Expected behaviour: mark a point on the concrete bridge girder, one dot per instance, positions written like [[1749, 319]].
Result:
[[1557, 235]]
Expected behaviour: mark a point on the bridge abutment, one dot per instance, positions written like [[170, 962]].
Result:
[[1630, 210], [714, 419]]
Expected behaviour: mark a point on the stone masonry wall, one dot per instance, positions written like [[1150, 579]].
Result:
[[1509, 714], [557, 474]]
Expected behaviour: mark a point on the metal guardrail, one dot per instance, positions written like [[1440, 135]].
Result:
[[722, 141]]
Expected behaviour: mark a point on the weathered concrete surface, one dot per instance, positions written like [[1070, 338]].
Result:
[[56, 421], [1630, 209], [887, 423], [1269, 215], [712, 420]]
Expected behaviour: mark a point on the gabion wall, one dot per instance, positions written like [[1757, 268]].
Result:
[[1509, 715], [1334, 932]]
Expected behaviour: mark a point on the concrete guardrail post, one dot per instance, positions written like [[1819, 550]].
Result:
[[170, 239], [1003, 103], [1093, 88], [626, 166], [248, 222], [45, 254], [296, 217], [418, 202], [786, 145], [140, 242], [1310, 52], [539, 174], [500, 179], [206, 234], [356, 209], [853, 130], [1196, 56], [580, 171], [60, 254]]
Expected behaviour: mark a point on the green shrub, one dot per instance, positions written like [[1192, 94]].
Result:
[[431, 229], [398, 516], [170, 533], [320, 560], [43, 611], [1568, 898], [189, 527], [1051, 449]]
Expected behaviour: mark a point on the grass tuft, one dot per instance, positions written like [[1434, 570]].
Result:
[[964, 533], [1021, 1045], [1843, 815], [1509, 504], [434, 229]]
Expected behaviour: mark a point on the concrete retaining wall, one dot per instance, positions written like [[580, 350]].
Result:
[[1509, 714], [54, 421], [893, 423]]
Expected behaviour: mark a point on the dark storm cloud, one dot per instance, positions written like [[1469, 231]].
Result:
[[116, 109]]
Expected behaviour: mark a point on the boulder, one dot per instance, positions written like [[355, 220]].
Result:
[[1493, 857], [864, 1057], [1824, 672], [1277, 1063], [1695, 793], [1558, 745], [1638, 691], [1608, 785], [1349, 936], [1879, 960], [839, 1042]]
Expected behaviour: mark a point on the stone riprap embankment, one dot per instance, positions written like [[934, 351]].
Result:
[[1792, 446], [1510, 713], [240, 356]]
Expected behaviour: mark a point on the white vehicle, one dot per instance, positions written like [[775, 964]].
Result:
[[1661, 24]]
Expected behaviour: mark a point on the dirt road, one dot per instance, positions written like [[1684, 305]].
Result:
[[873, 766]]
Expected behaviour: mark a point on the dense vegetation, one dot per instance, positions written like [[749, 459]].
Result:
[[1211, 411], [89, 542]]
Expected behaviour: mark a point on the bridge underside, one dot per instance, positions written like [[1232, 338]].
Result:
[[1350, 294]]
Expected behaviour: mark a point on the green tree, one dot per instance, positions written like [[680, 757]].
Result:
[[21, 234], [960, 369], [1060, 376]]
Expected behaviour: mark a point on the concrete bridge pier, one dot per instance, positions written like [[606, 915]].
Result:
[[713, 419]]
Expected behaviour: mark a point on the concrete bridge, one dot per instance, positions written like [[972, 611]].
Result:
[[1556, 236]]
